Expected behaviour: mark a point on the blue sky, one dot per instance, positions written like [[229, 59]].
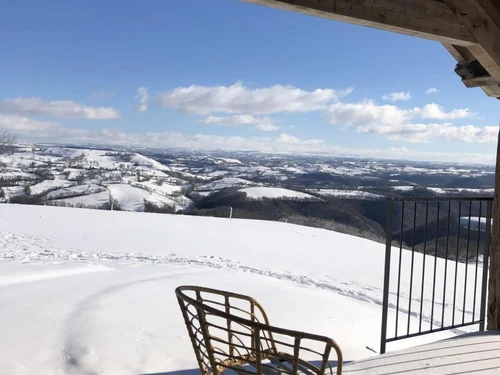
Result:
[[233, 75]]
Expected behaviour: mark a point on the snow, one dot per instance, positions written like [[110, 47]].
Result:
[[292, 170], [148, 162], [403, 188], [474, 222], [204, 193], [90, 200], [468, 190], [19, 277], [217, 174], [81, 176], [73, 173], [272, 192], [91, 292], [231, 160], [347, 194], [165, 188], [437, 190], [223, 183], [131, 198], [75, 190], [45, 186], [460, 190], [15, 173], [13, 191]]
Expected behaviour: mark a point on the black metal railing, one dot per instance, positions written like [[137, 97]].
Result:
[[436, 265]]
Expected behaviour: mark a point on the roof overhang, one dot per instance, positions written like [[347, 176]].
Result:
[[468, 29]]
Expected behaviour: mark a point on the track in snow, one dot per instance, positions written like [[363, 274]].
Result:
[[23, 246]]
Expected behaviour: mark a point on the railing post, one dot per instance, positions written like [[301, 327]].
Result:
[[486, 255], [387, 271]]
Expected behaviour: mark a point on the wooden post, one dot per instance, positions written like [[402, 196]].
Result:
[[494, 280]]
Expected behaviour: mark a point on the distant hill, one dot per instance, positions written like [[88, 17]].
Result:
[[347, 195], [86, 178]]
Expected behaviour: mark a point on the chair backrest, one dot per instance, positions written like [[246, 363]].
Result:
[[232, 331]]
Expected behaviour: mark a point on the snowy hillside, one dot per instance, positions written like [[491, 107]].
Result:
[[355, 194], [91, 292], [63, 176], [270, 192]]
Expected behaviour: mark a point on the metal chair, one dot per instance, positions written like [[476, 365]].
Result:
[[231, 331]]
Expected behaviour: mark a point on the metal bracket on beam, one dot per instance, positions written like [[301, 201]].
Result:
[[468, 70], [473, 74]]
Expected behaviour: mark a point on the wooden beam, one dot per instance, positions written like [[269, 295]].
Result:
[[480, 81], [482, 18], [428, 19], [462, 54], [493, 91], [489, 58]]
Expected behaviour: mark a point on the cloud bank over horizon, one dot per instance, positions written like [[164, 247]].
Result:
[[260, 110]]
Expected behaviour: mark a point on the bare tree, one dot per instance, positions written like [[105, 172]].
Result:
[[7, 142]]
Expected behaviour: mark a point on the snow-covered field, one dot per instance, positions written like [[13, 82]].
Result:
[[273, 192], [223, 183], [403, 188], [460, 190], [92, 292], [131, 198], [474, 223], [347, 194]]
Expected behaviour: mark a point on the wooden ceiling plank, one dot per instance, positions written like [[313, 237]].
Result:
[[428, 19]]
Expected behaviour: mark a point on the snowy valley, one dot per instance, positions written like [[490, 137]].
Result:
[[345, 195], [135, 180]]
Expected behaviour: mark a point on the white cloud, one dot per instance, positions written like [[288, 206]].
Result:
[[261, 123], [395, 96], [287, 138], [142, 95], [204, 100], [435, 111], [316, 142], [425, 133], [101, 95], [14, 124], [229, 121], [266, 127], [28, 130], [367, 113], [35, 130], [432, 90], [396, 122], [399, 149], [59, 108]]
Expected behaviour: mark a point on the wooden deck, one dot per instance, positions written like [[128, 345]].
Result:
[[475, 353]]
